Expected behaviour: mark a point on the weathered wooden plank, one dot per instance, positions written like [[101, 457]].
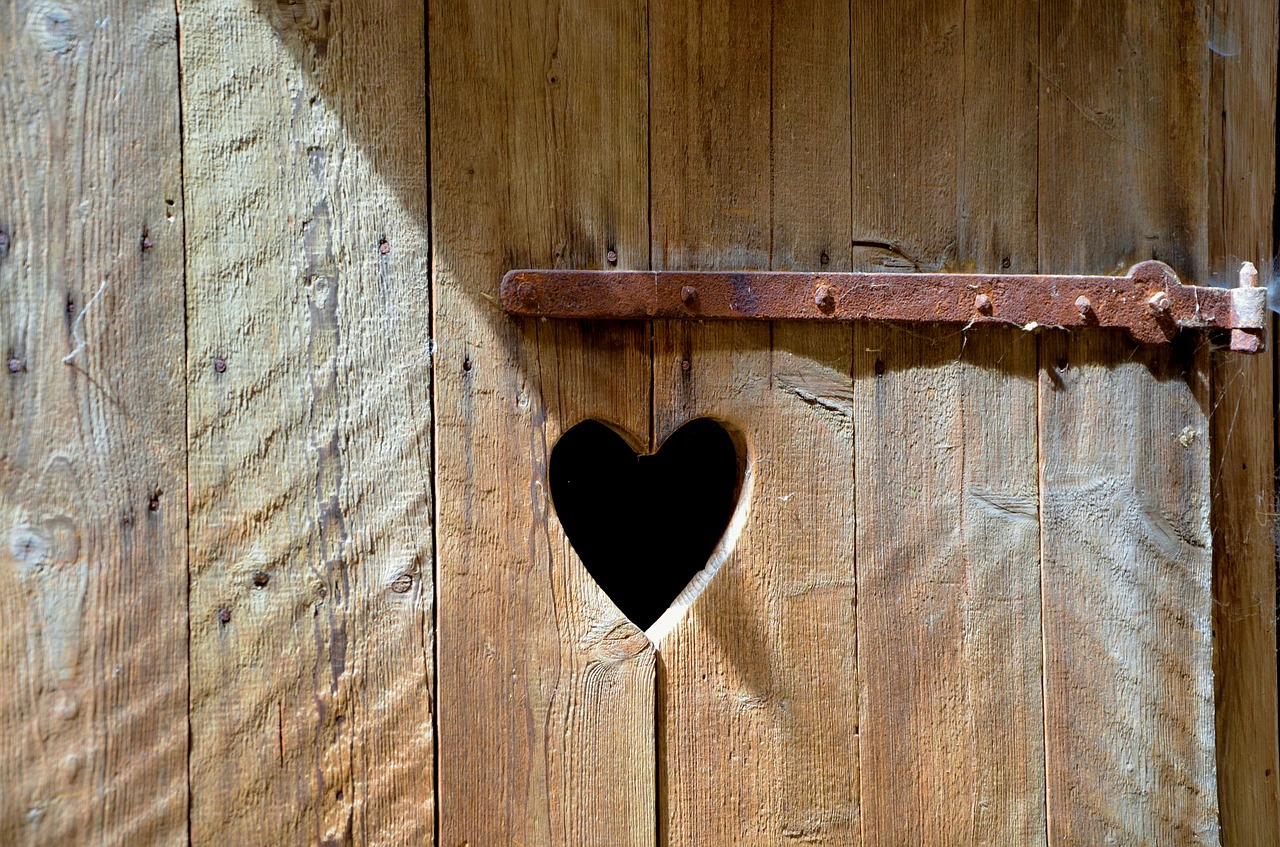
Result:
[[93, 577], [758, 692], [310, 422], [539, 124], [1125, 507], [1242, 114], [948, 539]]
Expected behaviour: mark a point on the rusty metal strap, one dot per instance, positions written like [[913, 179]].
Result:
[[1150, 302]]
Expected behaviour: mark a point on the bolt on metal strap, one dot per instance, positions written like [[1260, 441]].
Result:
[[1150, 302]]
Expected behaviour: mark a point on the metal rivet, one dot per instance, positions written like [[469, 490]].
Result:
[[822, 297], [526, 294], [17, 366], [982, 303], [1160, 302], [1083, 306], [220, 365], [611, 257], [688, 294]]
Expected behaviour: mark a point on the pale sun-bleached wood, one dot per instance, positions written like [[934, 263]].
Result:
[[1124, 439], [538, 160], [310, 422], [945, 434], [757, 687], [93, 584]]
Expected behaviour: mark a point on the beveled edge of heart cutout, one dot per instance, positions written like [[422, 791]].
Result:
[[683, 601]]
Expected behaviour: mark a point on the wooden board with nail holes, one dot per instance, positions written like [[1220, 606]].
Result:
[[951, 732], [93, 583], [539, 125], [757, 701], [1129, 706], [310, 444], [1242, 172]]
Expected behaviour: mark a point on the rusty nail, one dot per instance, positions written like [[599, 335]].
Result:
[[688, 294], [822, 297], [686, 365], [384, 247], [1083, 306], [402, 583], [220, 365], [1159, 302], [261, 578], [982, 303], [17, 366], [224, 616], [611, 257]]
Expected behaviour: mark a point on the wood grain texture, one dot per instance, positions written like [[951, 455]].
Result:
[[945, 422], [310, 422], [92, 468], [758, 692], [538, 159], [1124, 452], [1242, 114]]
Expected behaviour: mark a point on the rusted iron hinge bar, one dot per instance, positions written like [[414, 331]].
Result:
[[1150, 302]]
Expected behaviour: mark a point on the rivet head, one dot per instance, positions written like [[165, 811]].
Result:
[[1160, 303], [688, 295], [16, 365], [525, 294], [220, 365], [823, 299], [982, 304], [611, 257], [1083, 306]]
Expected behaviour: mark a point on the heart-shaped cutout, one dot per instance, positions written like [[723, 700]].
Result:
[[646, 525]]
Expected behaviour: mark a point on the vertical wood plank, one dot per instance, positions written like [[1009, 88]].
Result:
[[310, 422], [1242, 114], [758, 691], [1126, 546], [93, 515], [947, 549], [538, 159]]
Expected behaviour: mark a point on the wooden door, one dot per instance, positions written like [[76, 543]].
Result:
[[970, 599], [1007, 586]]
